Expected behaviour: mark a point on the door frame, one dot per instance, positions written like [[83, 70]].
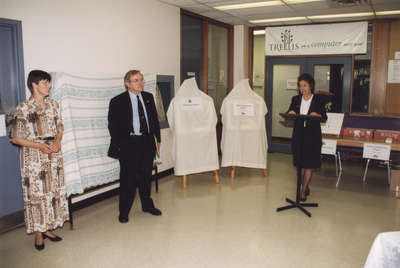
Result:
[[306, 65]]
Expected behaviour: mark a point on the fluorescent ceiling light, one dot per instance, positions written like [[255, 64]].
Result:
[[278, 19], [391, 12], [363, 14], [263, 4], [258, 32], [290, 2], [250, 5]]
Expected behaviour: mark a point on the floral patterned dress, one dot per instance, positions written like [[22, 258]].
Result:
[[43, 184]]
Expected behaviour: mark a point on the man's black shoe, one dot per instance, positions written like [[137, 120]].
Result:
[[153, 211], [123, 220]]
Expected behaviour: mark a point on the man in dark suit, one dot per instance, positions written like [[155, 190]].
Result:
[[134, 126]]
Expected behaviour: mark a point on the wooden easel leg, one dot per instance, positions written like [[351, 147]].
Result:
[[233, 172], [216, 177], [265, 173], [184, 181]]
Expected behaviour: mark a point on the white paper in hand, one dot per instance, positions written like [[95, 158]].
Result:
[[157, 159], [3, 130]]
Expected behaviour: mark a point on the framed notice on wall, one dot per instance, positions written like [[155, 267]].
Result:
[[394, 71]]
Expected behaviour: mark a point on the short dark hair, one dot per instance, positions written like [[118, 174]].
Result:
[[309, 79], [129, 74], [36, 76]]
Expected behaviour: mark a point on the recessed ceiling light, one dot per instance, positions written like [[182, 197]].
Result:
[[363, 14], [263, 4], [250, 5], [299, 1], [278, 19], [391, 12]]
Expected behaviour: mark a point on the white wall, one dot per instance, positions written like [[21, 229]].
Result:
[[98, 36]]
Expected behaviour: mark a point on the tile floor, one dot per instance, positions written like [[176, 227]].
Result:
[[233, 224]]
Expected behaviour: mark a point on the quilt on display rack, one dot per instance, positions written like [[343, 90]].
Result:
[[84, 107]]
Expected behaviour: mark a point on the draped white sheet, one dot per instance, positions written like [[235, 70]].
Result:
[[84, 107], [385, 252], [192, 118], [244, 138]]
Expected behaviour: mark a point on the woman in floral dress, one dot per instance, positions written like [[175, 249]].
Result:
[[38, 130]]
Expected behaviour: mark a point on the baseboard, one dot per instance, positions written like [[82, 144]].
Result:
[[12, 221]]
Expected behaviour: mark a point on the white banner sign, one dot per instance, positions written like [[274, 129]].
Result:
[[337, 38], [328, 147], [192, 104], [243, 109], [376, 151]]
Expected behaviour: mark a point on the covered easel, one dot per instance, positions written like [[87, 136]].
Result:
[[244, 137], [192, 119]]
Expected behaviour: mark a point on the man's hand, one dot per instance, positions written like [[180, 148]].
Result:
[[291, 112], [158, 148]]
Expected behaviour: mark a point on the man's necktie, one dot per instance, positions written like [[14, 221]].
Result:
[[142, 117]]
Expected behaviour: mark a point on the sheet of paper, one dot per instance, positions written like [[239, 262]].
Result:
[[243, 109], [376, 151], [291, 84], [3, 129], [394, 71], [328, 147], [157, 159], [191, 104], [333, 125]]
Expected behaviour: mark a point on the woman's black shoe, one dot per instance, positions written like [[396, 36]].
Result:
[[303, 198], [39, 247], [307, 191], [53, 239]]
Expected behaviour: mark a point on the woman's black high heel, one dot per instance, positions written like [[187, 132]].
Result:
[[307, 192], [53, 239], [39, 247]]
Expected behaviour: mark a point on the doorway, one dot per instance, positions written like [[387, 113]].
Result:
[[332, 77], [12, 92]]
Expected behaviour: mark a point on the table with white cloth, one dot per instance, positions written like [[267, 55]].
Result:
[[192, 119], [385, 251], [244, 137]]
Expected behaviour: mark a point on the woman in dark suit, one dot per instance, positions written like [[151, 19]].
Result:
[[306, 138]]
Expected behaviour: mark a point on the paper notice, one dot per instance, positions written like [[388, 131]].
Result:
[[240, 109], [191, 104]]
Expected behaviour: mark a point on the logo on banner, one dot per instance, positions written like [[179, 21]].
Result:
[[286, 44]]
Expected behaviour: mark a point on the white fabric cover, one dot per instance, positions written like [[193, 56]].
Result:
[[192, 118], [385, 252], [244, 138]]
